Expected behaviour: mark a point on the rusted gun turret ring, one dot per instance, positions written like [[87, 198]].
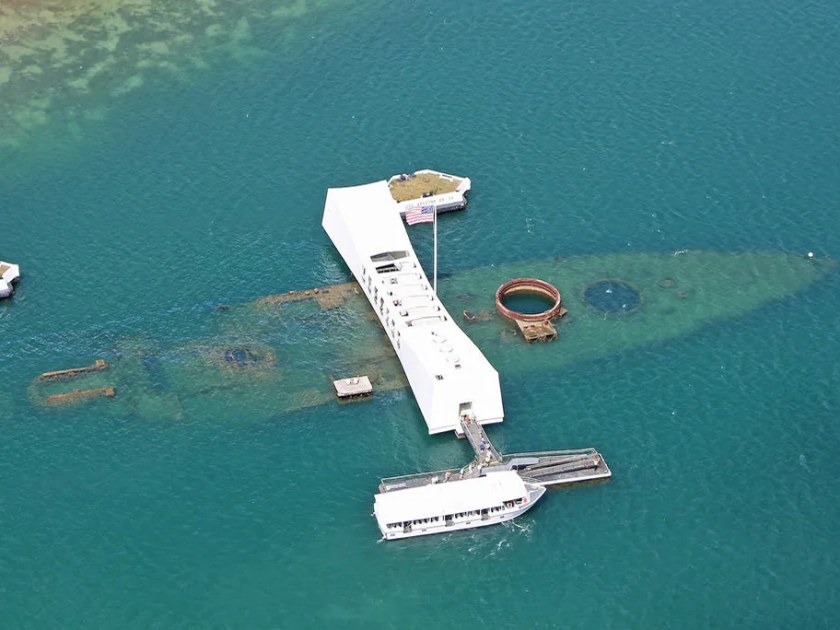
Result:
[[534, 287]]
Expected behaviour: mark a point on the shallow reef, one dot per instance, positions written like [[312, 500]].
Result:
[[61, 61]]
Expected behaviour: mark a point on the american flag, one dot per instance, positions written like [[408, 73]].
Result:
[[423, 214]]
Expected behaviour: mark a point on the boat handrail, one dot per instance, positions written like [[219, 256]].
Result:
[[421, 475]]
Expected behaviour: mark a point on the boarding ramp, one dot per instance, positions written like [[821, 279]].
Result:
[[485, 452]]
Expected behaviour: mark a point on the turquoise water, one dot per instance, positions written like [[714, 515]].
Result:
[[528, 303], [586, 128]]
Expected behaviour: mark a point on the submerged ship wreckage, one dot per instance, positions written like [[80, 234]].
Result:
[[284, 352]]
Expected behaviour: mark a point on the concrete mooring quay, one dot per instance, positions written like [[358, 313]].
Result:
[[553, 468], [547, 467]]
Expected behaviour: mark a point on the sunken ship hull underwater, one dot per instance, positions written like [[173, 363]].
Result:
[[282, 352]]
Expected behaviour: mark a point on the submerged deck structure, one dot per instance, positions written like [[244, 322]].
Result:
[[264, 351], [449, 375], [97, 366]]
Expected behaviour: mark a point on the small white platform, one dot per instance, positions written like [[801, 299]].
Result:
[[354, 387], [9, 274]]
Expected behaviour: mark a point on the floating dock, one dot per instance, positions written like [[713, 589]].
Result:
[[554, 468], [547, 468]]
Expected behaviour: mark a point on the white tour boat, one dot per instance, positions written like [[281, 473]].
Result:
[[450, 505]]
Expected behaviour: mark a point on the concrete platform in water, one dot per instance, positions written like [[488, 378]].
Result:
[[554, 468], [547, 468], [353, 388]]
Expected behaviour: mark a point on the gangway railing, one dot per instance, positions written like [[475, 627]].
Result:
[[485, 452]]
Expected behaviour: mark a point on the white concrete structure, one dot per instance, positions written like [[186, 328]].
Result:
[[9, 274], [448, 374], [353, 387], [452, 505]]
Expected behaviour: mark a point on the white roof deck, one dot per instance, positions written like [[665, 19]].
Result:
[[451, 497], [443, 201], [448, 374]]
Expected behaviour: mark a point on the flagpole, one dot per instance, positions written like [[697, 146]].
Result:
[[434, 277]]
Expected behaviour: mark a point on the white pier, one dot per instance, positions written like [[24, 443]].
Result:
[[9, 274], [448, 374]]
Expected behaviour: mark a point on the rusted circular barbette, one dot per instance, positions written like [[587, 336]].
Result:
[[529, 286]]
